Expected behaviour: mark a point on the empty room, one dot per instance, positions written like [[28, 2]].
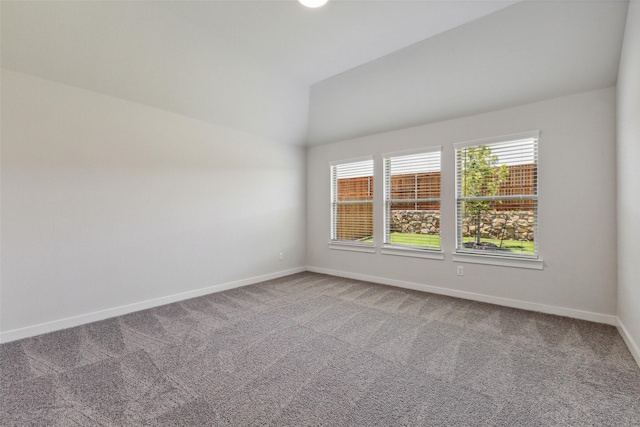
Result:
[[323, 213]]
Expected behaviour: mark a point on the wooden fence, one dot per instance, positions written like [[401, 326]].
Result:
[[415, 186], [521, 181], [355, 221]]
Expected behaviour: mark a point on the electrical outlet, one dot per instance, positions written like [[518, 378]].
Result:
[[460, 270], [280, 256]]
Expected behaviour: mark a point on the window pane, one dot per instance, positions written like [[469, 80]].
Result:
[[352, 202], [414, 227], [496, 187], [485, 228], [502, 169], [412, 200]]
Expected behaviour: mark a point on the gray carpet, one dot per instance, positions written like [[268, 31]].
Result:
[[310, 349]]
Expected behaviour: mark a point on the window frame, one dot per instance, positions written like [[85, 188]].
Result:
[[388, 248], [349, 245], [461, 254]]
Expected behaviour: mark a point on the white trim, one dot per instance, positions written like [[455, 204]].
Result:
[[503, 261], [532, 134], [429, 149], [507, 302], [82, 319], [56, 325], [412, 252], [631, 344], [354, 247]]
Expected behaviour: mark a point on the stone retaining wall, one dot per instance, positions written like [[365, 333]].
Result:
[[507, 225]]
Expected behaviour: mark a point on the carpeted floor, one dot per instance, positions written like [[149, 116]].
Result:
[[310, 349]]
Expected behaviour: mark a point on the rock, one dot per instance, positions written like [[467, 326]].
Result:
[[502, 224], [480, 246]]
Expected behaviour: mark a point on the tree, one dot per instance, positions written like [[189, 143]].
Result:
[[481, 177]]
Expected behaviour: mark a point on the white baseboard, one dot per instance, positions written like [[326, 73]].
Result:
[[542, 308], [69, 322], [82, 319], [631, 344]]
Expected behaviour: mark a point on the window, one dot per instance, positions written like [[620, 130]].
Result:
[[352, 203], [412, 200], [497, 196]]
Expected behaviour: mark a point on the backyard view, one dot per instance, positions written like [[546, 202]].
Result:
[[495, 196], [352, 201], [354, 210]]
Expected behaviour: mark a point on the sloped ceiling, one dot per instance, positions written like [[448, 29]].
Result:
[[251, 65], [314, 44], [531, 51]]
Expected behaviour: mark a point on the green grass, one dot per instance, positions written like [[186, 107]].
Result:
[[428, 240], [414, 239], [514, 246]]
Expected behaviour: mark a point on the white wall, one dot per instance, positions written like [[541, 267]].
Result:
[[143, 52], [628, 158], [106, 203], [577, 217]]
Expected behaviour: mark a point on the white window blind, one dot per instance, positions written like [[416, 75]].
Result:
[[412, 200], [497, 196], [352, 202]]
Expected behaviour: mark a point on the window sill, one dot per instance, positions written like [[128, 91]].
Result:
[[412, 252], [354, 247], [504, 261]]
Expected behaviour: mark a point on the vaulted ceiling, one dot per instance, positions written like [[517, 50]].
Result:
[[315, 44], [251, 65]]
